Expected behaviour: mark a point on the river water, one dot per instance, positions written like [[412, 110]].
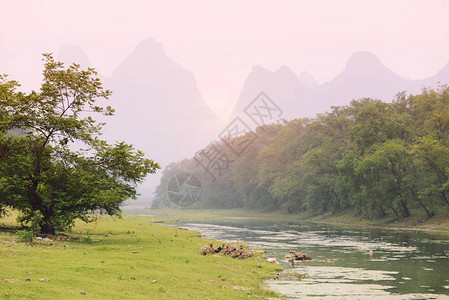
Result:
[[347, 263]]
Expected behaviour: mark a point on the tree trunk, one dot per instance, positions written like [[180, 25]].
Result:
[[443, 194], [394, 210], [381, 212], [429, 214], [405, 210], [325, 204], [441, 175], [47, 228], [46, 225], [337, 202]]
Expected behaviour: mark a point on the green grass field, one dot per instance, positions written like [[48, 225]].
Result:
[[120, 259]]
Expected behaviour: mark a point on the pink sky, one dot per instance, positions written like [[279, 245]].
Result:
[[220, 41]]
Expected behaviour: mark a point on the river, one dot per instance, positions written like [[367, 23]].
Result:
[[348, 263]]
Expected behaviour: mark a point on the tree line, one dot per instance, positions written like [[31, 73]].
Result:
[[370, 156]]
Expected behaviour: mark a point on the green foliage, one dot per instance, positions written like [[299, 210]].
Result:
[[369, 157], [121, 277], [88, 240], [25, 236], [41, 173]]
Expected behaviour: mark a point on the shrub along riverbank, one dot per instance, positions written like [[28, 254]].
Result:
[[132, 258]]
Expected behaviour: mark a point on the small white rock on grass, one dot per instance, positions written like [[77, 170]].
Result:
[[272, 260]]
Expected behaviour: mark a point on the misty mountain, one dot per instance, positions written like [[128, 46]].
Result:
[[307, 80], [283, 87], [441, 77], [363, 76], [69, 54], [159, 108]]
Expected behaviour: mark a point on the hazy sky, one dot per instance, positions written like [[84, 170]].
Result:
[[220, 41]]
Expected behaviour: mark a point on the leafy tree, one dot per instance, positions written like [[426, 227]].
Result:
[[277, 173], [393, 162], [377, 122], [436, 156], [430, 112], [56, 168], [369, 157], [327, 138], [320, 173]]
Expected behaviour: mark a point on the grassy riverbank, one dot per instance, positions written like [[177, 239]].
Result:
[[417, 221], [129, 258]]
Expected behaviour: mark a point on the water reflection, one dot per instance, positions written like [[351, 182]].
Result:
[[348, 263]]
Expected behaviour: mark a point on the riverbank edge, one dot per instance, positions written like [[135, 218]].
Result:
[[219, 277], [416, 222]]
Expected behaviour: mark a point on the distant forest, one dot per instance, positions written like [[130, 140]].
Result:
[[370, 157]]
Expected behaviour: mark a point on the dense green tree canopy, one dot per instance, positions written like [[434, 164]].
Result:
[[54, 167], [370, 157]]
